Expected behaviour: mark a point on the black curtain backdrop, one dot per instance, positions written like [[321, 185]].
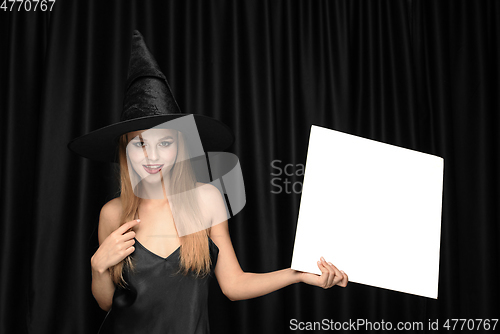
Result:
[[418, 74]]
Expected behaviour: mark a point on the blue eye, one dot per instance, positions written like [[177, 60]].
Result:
[[165, 143], [142, 144]]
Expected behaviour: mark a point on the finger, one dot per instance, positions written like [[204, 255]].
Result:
[[127, 236], [123, 252], [344, 282], [129, 251], [325, 275], [331, 277], [128, 244], [127, 226], [322, 267], [338, 275], [337, 271]]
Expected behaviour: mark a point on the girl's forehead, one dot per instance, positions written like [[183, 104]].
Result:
[[152, 133]]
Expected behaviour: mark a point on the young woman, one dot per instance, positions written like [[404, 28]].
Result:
[[151, 278], [154, 236]]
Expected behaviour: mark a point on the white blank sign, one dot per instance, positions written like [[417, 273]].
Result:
[[373, 210]]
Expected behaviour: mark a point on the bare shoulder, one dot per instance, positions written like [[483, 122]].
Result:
[[210, 196], [213, 203], [109, 218], [207, 190]]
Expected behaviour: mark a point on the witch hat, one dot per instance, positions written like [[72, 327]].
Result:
[[148, 102]]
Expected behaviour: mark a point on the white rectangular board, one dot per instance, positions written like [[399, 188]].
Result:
[[373, 210]]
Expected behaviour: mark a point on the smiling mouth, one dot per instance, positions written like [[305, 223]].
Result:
[[152, 169]]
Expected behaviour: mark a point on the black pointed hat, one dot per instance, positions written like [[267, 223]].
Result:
[[148, 102]]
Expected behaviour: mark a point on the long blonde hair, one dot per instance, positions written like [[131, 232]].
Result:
[[194, 250]]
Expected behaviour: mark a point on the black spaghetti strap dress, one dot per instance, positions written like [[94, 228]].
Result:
[[158, 299]]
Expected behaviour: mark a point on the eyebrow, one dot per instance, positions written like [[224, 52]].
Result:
[[141, 138]]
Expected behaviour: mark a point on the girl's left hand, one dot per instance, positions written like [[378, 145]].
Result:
[[330, 276]]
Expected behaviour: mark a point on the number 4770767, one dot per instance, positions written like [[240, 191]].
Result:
[[470, 324], [27, 5]]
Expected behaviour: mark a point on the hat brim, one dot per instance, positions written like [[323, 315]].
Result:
[[102, 144]]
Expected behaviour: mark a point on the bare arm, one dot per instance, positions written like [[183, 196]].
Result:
[[103, 289], [114, 245], [238, 285]]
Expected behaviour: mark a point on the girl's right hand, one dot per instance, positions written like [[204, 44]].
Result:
[[117, 246]]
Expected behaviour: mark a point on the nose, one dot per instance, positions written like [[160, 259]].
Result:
[[151, 152]]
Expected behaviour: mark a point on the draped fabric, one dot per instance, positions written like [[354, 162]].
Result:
[[418, 74]]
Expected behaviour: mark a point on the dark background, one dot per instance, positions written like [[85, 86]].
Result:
[[418, 74]]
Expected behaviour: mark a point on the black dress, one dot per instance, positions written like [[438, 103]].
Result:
[[158, 299]]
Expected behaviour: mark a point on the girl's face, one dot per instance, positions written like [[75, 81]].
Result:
[[152, 152]]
